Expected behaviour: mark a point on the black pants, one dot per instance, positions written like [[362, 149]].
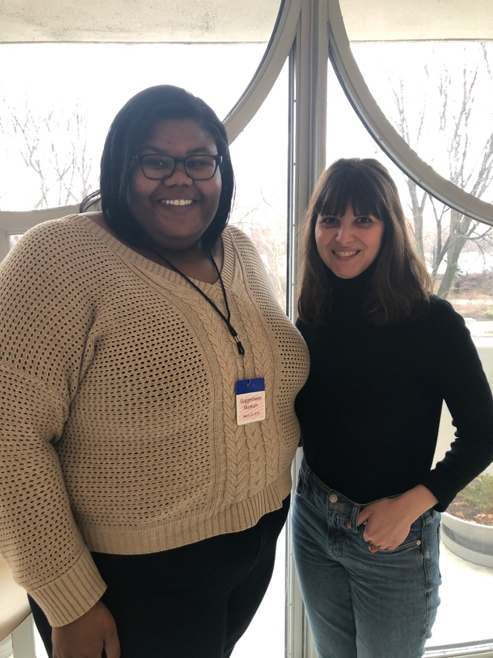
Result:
[[189, 602]]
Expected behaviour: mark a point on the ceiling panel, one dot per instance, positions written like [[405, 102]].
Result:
[[137, 20], [410, 20], [232, 21]]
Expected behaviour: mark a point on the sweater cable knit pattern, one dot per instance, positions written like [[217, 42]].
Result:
[[118, 430]]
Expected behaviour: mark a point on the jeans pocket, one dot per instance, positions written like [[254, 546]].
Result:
[[414, 540]]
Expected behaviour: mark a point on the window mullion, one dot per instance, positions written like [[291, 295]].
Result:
[[308, 121]]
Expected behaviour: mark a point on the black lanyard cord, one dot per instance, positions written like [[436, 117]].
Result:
[[226, 319]]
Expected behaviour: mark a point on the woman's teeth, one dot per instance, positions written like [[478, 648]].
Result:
[[176, 202]]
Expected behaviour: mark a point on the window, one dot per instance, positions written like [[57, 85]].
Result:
[[52, 133]]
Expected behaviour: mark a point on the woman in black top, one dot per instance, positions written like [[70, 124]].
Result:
[[384, 356]]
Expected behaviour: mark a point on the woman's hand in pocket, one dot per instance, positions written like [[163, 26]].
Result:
[[388, 521]]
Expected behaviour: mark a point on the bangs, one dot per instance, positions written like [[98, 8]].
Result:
[[345, 189]]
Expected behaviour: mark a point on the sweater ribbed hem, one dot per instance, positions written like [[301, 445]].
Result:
[[235, 518], [73, 594]]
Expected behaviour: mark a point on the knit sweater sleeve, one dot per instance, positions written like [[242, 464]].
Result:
[[463, 385], [45, 316]]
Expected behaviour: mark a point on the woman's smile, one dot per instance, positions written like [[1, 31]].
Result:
[[176, 202], [176, 211], [345, 255], [348, 244]]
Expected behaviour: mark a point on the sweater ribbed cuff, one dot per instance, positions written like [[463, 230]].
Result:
[[67, 598]]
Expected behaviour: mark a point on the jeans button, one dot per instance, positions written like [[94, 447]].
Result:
[[333, 498]]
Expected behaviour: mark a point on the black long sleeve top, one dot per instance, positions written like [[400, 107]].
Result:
[[370, 410]]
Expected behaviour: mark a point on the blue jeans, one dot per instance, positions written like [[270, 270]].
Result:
[[362, 604]]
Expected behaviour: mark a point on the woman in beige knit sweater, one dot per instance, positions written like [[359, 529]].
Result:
[[147, 377]]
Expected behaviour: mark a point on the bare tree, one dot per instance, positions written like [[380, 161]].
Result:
[[268, 230], [53, 146], [470, 166]]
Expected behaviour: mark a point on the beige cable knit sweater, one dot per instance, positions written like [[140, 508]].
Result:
[[118, 430]]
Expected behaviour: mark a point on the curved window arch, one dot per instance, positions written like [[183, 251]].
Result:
[[276, 54], [385, 134]]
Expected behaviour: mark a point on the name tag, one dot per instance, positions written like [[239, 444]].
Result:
[[250, 400]]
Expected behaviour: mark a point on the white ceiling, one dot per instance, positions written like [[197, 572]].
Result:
[[231, 20], [137, 20], [396, 20]]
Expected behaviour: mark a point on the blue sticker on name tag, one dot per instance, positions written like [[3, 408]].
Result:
[[250, 400]]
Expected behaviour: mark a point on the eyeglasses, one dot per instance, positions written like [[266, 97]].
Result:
[[160, 167]]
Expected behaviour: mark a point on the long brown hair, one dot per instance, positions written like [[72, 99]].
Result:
[[400, 284]]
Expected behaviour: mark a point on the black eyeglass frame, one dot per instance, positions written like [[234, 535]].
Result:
[[217, 159]]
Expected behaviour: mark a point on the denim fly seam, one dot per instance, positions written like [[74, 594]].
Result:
[[339, 510]]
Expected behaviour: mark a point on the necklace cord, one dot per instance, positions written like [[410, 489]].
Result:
[[226, 319]]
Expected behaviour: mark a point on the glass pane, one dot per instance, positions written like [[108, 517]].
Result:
[[265, 635], [461, 268], [52, 127], [13, 239], [440, 89], [40, 648], [466, 558], [431, 73], [260, 161], [6, 650]]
